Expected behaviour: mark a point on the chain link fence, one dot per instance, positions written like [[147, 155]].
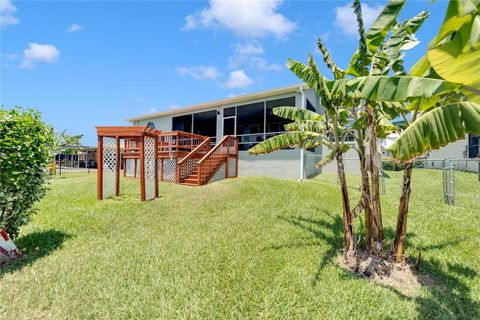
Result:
[[454, 181], [69, 167]]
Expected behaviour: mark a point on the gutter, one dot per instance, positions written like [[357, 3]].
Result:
[[219, 103]]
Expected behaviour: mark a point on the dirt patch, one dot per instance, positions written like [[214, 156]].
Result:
[[402, 276]]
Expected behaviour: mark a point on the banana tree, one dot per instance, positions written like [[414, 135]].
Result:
[[380, 51], [310, 129], [452, 55]]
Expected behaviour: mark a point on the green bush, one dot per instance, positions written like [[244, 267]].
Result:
[[391, 165], [24, 158]]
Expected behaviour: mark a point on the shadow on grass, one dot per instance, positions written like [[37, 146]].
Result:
[[35, 245], [449, 298], [326, 230]]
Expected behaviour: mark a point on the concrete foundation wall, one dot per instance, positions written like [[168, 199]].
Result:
[[350, 161], [279, 164]]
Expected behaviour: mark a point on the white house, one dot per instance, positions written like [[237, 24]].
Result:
[[250, 118]]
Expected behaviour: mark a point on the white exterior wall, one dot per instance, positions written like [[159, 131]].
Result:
[[162, 123], [279, 164], [456, 149]]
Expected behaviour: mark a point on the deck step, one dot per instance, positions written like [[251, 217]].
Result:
[[189, 184]]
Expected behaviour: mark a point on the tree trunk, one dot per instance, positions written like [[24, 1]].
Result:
[[350, 244], [366, 197], [401, 230], [375, 164]]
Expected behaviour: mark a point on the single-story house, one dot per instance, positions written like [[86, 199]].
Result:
[[250, 118]]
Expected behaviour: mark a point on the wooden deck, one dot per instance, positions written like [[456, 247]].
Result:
[[189, 157]]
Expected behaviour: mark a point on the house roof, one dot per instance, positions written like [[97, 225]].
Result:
[[221, 102]]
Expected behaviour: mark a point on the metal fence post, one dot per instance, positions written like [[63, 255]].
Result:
[[382, 179], [451, 188]]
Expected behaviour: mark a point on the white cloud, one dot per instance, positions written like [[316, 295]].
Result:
[[74, 28], [346, 20], [238, 79], [242, 52], [37, 53], [9, 56], [173, 106], [248, 49], [262, 64], [7, 14], [249, 54], [232, 95], [200, 72], [247, 18], [152, 110]]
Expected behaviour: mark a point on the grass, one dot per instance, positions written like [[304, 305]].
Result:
[[240, 248]]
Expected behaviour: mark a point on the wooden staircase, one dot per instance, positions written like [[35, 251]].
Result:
[[202, 164], [210, 170]]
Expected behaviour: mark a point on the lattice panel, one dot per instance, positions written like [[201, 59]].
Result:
[[130, 167], [187, 168], [137, 167], [219, 175], [149, 154], [232, 165], [169, 169], [109, 167]]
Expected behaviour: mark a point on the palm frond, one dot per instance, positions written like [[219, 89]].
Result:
[[338, 73], [437, 128]]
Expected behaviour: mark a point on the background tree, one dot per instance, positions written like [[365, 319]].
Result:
[[64, 143], [24, 157]]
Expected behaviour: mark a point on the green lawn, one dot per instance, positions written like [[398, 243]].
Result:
[[240, 248]]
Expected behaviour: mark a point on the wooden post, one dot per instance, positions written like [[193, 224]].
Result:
[[134, 168], [236, 157], [100, 168], [156, 166], [124, 160], [161, 172], [200, 174], [117, 168], [228, 155], [142, 169]]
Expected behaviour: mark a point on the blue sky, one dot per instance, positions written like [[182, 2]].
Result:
[[91, 63]]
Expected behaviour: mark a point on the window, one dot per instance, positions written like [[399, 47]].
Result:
[[250, 124], [229, 112], [205, 123], [274, 123], [473, 146], [182, 123], [150, 125], [310, 106]]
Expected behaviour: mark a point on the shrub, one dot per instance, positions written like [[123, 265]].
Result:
[[391, 165], [24, 159]]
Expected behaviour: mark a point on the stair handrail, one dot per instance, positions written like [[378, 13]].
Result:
[[218, 145], [214, 156], [194, 151], [180, 164]]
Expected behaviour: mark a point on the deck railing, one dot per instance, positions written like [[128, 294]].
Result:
[[188, 164], [220, 162], [178, 143]]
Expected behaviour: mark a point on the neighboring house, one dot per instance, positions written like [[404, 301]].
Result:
[[467, 148], [250, 118]]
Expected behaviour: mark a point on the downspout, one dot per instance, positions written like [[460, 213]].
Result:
[[302, 150]]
